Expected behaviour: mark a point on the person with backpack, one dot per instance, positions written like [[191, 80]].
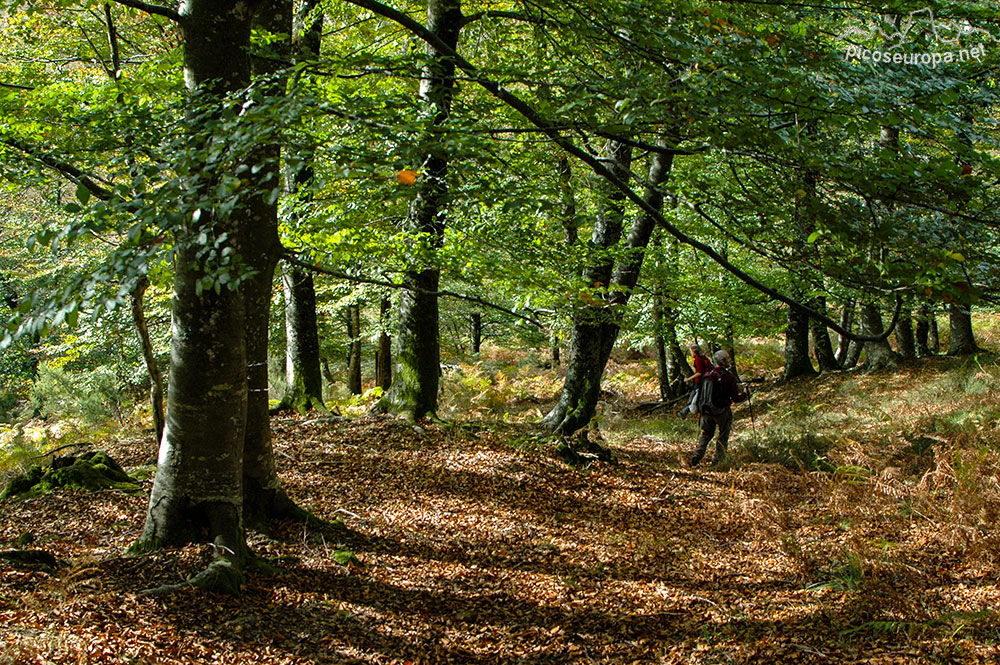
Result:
[[701, 369], [718, 412]]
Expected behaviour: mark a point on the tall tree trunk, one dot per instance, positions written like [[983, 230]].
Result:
[[878, 355], [303, 376], [263, 496], [354, 349], [921, 340], [199, 477], [554, 350], [148, 356], [660, 345], [822, 345], [797, 361], [844, 342], [383, 357], [415, 388], [933, 338], [475, 332], [962, 341], [595, 327], [905, 342]]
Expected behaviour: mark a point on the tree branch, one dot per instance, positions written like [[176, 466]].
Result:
[[66, 169], [290, 258], [158, 10], [594, 163]]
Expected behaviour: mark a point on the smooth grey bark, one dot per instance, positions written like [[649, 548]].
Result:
[[933, 338], [922, 336], [414, 390], [844, 342], [962, 341], [595, 327], [303, 374], [660, 346], [797, 361], [354, 349], [905, 341], [199, 476], [878, 355], [148, 357], [822, 346], [263, 496], [554, 348], [383, 356]]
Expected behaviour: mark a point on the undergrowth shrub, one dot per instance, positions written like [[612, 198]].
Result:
[[93, 397]]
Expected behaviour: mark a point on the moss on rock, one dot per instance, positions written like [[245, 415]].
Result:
[[90, 471]]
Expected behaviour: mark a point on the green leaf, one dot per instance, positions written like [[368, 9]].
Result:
[[82, 194]]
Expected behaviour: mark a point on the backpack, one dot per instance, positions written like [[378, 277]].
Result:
[[705, 390]]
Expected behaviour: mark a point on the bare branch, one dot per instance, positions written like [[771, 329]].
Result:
[[158, 10]]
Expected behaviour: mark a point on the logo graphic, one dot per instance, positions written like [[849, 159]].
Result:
[[874, 44]]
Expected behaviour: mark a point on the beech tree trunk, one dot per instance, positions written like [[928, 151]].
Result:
[[797, 361], [354, 349], [263, 496], [148, 357], [844, 342], [822, 346], [475, 332], [303, 374], [879, 355], [383, 357], [199, 477], [922, 337], [933, 339], [595, 326], [962, 341], [415, 388], [905, 342]]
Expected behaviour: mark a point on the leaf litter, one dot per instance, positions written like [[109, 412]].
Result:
[[461, 547]]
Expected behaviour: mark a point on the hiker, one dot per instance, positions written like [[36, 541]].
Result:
[[701, 369], [719, 413]]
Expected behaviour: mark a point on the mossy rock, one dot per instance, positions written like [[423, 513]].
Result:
[[90, 471]]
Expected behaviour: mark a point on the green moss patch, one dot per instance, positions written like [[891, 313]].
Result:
[[89, 471]]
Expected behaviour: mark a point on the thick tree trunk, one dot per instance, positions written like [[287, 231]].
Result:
[[354, 349], [905, 342], [595, 327], [148, 357], [797, 361], [383, 357], [263, 496], [844, 342], [415, 388], [921, 338], [962, 341], [878, 355], [303, 376], [199, 476], [475, 332], [822, 346]]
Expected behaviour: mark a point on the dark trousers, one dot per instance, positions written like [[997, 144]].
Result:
[[715, 417]]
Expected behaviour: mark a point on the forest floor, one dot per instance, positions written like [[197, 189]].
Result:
[[855, 522]]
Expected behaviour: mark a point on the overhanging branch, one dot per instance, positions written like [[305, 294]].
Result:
[[157, 10], [512, 100], [66, 169]]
